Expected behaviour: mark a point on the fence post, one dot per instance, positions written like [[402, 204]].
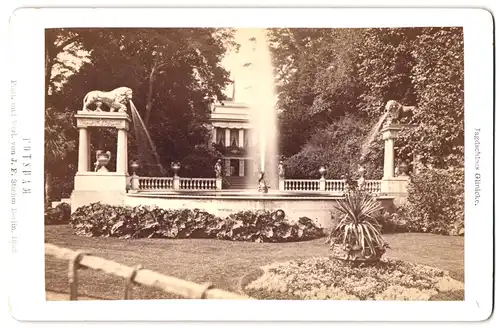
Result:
[[322, 184], [177, 182], [134, 183], [281, 183]]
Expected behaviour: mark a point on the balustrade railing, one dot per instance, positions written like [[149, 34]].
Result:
[[150, 183], [301, 185], [198, 184], [372, 186], [335, 185], [169, 183]]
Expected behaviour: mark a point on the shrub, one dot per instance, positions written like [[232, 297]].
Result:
[[436, 201], [200, 163], [101, 220], [358, 232], [57, 215]]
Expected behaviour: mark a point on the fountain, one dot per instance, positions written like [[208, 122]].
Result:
[[293, 198], [146, 150], [262, 103]]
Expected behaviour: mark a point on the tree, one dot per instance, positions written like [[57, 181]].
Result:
[[316, 71], [59, 143], [385, 68], [175, 74], [438, 78]]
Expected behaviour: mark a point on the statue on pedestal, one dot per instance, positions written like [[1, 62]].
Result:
[[281, 169], [218, 169], [116, 99], [263, 187]]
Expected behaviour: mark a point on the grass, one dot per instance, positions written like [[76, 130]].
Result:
[[223, 263]]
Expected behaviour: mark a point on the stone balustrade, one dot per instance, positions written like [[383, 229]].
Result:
[[177, 183], [174, 183], [335, 185], [153, 184], [372, 186], [301, 185], [198, 184]]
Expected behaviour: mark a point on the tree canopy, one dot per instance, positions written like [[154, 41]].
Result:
[[325, 74]]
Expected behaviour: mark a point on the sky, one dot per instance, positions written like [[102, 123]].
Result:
[[249, 52]]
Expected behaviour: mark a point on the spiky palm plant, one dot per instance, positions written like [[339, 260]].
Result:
[[358, 232]]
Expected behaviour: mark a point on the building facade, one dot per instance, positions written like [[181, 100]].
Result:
[[232, 137]]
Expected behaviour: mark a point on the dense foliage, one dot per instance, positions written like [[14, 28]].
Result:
[[436, 201], [338, 147], [322, 279], [60, 214], [323, 74], [100, 220], [435, 204]]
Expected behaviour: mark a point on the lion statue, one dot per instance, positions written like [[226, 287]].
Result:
[[115, 99], [396, 111]]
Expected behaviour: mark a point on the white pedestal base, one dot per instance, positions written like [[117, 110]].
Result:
[[105, 187], [396, 187]]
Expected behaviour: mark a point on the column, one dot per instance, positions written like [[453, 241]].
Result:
[[121, 152], [228, 138], [241, 136], [214, 134], [83, 155], [389, 158], [227, 166], [91, 158], [242, 167]]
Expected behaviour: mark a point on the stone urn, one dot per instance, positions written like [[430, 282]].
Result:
[[322, 171], [134, 165], [176, 166], [102, 159], [404, 168]]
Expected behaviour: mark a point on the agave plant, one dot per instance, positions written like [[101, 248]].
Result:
[[358, 232]]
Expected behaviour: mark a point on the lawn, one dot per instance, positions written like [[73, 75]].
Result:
[[223, 263]]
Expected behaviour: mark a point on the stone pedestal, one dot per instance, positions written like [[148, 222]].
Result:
[[396, 187], [218, 183], [105, 187], [281, 183], [176, 182], [392, 186], [322, 184]]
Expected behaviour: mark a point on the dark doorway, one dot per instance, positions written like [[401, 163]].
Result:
[[235, 167]]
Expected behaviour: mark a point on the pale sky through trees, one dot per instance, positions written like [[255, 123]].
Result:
[[250, 52]]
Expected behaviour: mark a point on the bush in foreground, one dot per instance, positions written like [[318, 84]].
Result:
[[324, 278], [60, 214], [99, 220]]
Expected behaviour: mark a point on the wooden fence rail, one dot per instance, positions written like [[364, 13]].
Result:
[[131, 275]]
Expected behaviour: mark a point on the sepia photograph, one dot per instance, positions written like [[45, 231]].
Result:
[[208, 164], [290, 163]]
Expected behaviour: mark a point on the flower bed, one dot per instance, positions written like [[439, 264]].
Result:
[[324, 278], [57, 215], [99, 220]]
